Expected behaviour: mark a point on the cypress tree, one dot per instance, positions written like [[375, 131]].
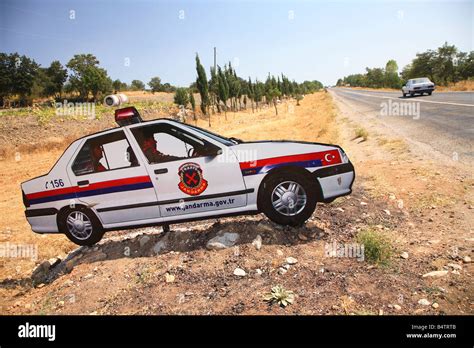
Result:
[[251, 92], [193, 103], [223, 89], [202, 86], [214, 89], [237, 90]]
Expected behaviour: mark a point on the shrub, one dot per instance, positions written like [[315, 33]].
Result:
[[361, 133], [279, 295], [181, 97], [377, 247]]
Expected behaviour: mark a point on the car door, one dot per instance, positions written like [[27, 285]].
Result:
[[188, 181], [110, 179]]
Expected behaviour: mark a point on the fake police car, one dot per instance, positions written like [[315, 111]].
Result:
[[163, 171]]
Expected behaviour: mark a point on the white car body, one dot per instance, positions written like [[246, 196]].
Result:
[[148, 194], [418, 86]]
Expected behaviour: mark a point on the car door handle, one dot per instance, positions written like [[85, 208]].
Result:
[[83, 183], [161, 171]]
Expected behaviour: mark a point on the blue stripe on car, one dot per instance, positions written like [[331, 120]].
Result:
[[304, 164], [95, 192]]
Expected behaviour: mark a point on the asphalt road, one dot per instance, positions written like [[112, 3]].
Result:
[[444, 120]]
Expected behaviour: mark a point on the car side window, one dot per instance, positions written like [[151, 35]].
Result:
[[103, 153], [163, 143]]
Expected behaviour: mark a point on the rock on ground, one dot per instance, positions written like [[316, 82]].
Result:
[[239, 272], [435, 274], [143, 240], [40, 273], [159, 246], [94, 257], [257, 242], [291, 260], [222, 240], [424, 302], [263, 227], [454, 266], [54, 262]]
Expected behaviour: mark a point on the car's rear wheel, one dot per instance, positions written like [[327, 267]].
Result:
[[81, 226], [404, 94], [288, 199]]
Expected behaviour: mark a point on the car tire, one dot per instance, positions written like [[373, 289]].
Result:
[[280, 191], [429, 93], [404, 94], [80, 225]]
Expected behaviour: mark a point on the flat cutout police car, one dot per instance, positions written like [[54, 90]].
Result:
[[162, 172]]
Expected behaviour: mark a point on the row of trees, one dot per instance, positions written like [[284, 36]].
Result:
[[23, 80], [23, 77], [375, 78], [82, 79], [443, 66], [137, 85], [227, 91]]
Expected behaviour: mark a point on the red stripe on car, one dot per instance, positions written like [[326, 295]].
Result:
[[93, 186], [327, 158]]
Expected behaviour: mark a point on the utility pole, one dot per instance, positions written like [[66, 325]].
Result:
[[215, 59]]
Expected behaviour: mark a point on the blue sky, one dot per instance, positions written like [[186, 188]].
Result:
[[306, 40]]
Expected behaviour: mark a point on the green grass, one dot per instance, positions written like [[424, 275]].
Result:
[[378, 248], [144, 276], [45, 114]]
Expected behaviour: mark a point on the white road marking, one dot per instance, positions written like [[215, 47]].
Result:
[[417, 100]]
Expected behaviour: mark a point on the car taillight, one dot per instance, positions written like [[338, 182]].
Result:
[[25, 200]]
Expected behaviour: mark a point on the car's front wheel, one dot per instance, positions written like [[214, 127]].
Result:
[[81, 226], [288, 199]]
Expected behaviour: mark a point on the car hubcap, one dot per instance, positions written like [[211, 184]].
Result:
[[79, 225], [289, 198]]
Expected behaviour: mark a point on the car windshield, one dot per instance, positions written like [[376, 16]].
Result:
[[422, 80], [219, 138]]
